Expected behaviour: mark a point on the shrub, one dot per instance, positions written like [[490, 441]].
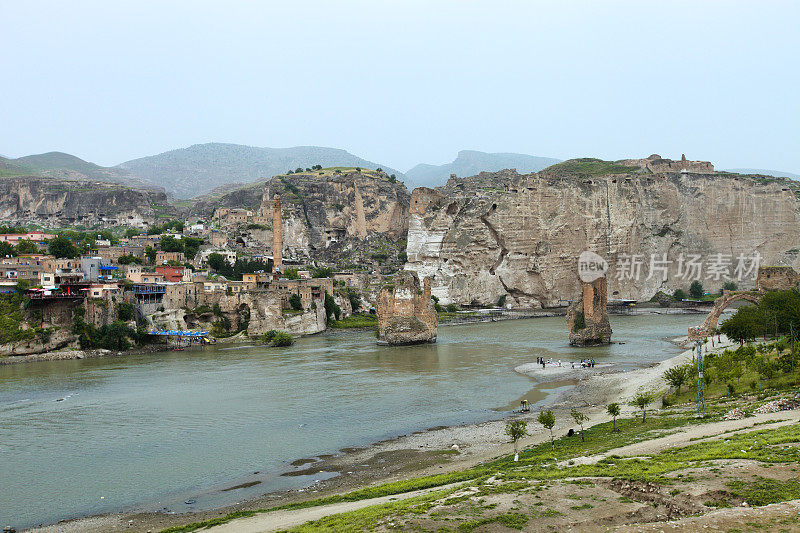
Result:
[[267, 337], [125, 311], [580, 322], [282, 338], [679, 295], [451, 308]]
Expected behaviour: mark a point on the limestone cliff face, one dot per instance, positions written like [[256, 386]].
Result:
[[60, 202], [344, 216], [502, 233]]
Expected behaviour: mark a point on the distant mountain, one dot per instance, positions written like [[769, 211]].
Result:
[[67, 166], [471, 162], [201, 168], [776, 173], [9, 167]]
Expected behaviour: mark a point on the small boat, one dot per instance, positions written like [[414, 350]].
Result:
[[180, 349]]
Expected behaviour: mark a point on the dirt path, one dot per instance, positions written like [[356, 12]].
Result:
[[699, 433], [280, 520]]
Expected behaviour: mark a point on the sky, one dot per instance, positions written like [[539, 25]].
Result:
[[405, 82]]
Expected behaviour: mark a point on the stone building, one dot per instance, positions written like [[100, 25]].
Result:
[[587, 319], [406, 314], [777, 278]]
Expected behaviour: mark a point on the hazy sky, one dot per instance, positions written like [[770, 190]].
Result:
[[404, 82]]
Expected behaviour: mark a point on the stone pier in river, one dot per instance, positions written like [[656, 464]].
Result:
[[406, 314], [587, 319]]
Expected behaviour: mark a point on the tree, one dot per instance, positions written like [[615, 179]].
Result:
[[745, 325], [696, 289], [62, 247], [516, 430], [729, 286], [131, 232], [171, 244], [679, 295], [548, 420], [580, 419], [332, 309], [150, 253], [6, 250], [355, 299], [613, 410], [675, 376], [26, 247], [642, 400], [296, 302], [217, 262], [322, 272]]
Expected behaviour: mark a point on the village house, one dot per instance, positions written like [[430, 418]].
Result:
[[162, 258], [172, 274], [33, 236]]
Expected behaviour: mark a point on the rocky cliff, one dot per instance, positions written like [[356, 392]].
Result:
[[519, 235], [59, 202], [338, 215]]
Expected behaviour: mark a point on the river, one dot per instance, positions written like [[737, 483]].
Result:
[[151, 431]]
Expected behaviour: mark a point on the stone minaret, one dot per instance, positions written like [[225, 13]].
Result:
[[277, 234]]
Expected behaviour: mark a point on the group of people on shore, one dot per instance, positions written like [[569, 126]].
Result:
[[585, 363]]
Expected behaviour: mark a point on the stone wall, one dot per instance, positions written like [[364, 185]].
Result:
[[406, 314], [777, 278]]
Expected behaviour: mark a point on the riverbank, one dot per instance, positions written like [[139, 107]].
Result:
[[70, 354], [420, 453]]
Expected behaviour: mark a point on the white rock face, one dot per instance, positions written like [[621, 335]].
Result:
[[503, 233]]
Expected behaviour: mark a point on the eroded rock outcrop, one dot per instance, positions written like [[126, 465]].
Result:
[[406, 313], [587, 318], [79, 202], [344, 216], [504, 233]]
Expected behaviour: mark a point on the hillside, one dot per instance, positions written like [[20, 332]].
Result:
[[9, 167], [201, 168], [68, 166], [471, 162], [765, 172]]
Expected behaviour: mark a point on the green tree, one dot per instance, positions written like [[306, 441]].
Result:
[[696, 289], [355, 299], [580, 419], [332, 309], [62, 247], [26, 247], [131, 232], [171, 244], [6, 250], [548, 420], [291, 273], [679, 295], [216, 262], [322, 272], [296, 302], [729, 286], [613, 410], [745, 325], [150, 253], [516, 430], [642, 400], [675, 376], [125, 311], [267, 337]]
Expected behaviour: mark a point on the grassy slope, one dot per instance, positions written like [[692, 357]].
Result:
[[541, 463]]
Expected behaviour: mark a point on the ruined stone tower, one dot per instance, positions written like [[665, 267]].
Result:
[[277, 234], [587, 319], [406, 314]]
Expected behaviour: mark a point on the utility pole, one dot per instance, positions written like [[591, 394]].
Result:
[[701, 393]]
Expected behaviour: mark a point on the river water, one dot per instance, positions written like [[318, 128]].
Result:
[[151, 431]]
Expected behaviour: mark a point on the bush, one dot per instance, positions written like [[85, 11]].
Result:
[[125, 311], [679, 295], [267, 337], [282, 338], [729, 286], [451, 308], [580, 322]]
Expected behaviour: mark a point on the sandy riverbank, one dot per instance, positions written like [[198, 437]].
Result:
[[419, 453]]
